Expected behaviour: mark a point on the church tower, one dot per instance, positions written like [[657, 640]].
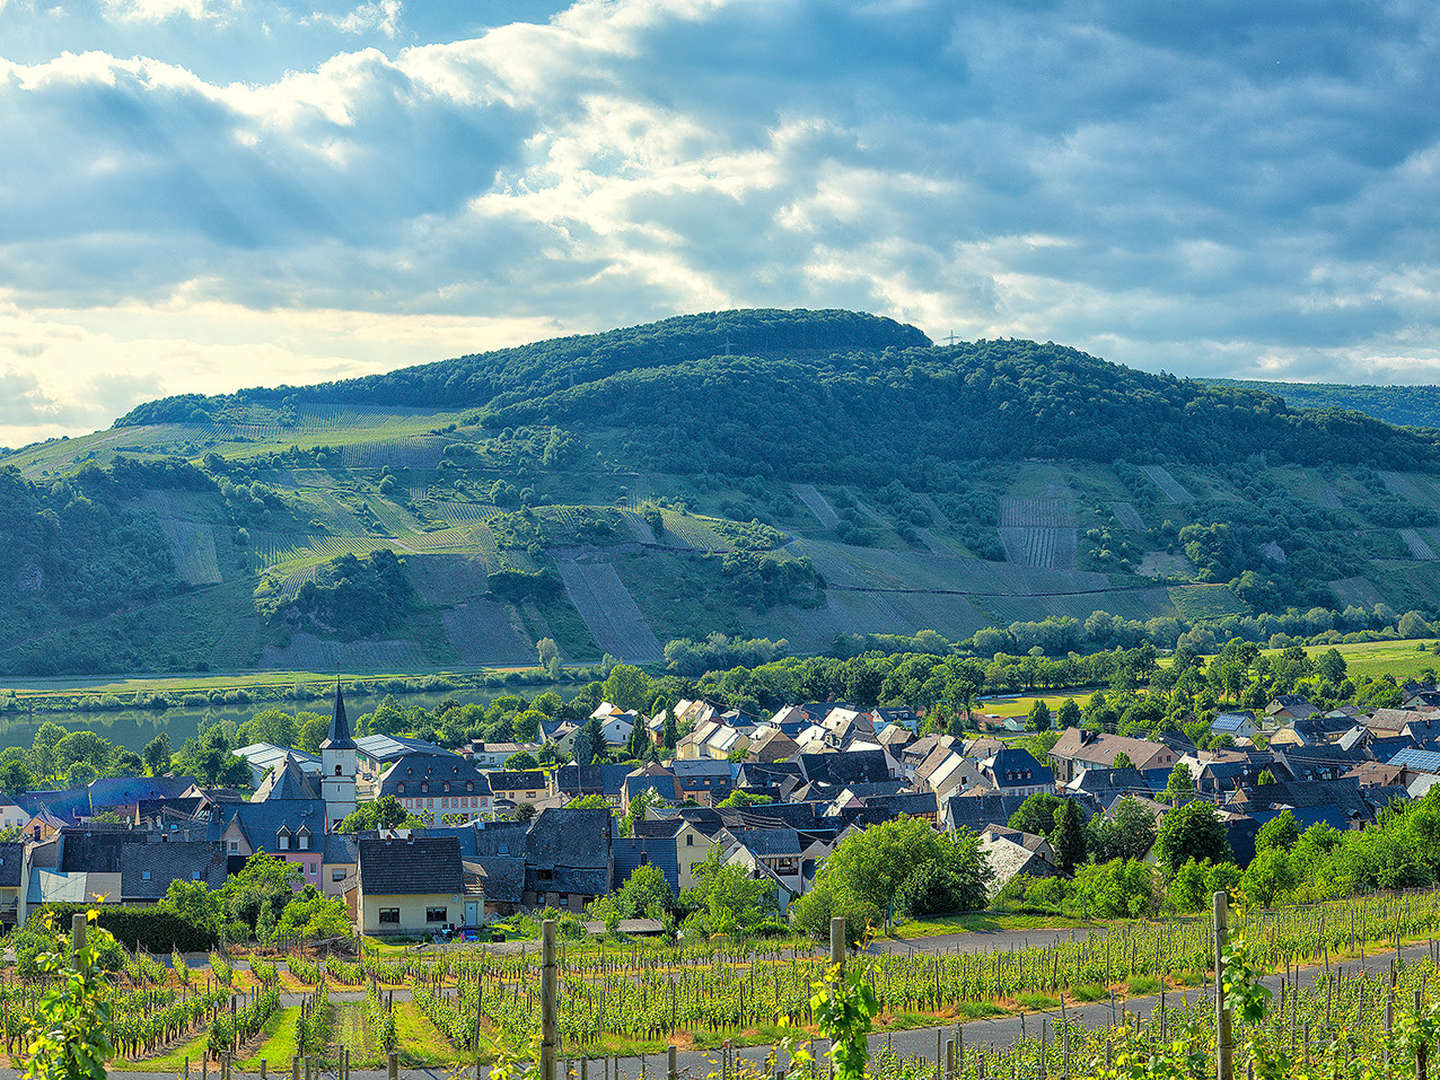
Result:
[[337, 766]]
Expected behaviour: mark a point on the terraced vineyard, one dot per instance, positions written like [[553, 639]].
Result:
[[1128, 516], [1417, 544], [817, 504], [610, 612], [1167, 483]]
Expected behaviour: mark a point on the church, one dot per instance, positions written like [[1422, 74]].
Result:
[[337, 766]]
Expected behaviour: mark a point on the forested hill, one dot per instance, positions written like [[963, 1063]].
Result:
[[835, 395], [1418, 406]]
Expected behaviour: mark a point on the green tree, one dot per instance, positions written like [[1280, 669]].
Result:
[[312, 918], [95, 750], [645, 895], [263, 880], [1281, 831], [196, 903], [627, 687], [15, 778], [382, 813], [1036, 814], [1069, 714], [593, 801], [42, 748], [156, 754], [1068, 839], [1180, 785], [869, 875], [1038, 719], [521, 761], [672, 729], [1122, 761], [1125, 831], [210, 758], [1270, 877], [726, 899], [639, 743], [1193, 831]]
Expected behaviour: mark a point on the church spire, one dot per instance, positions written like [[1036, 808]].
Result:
[[339, 737]]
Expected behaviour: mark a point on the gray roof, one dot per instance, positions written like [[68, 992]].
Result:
[[148, 869], [261, 822], [339, 737], [394, 747], [12, 857], [286, 781], [633, 852], [436, 770], [501, 876], [409, 867], [768, 841]]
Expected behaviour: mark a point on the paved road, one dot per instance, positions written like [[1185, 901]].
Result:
[[999, 1032]]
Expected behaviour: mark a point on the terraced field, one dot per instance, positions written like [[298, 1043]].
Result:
[[1043, 513], [817, 504], [852, 611], [1167, 483], [609, 611], [1419, 548], [192, 544], [691, 532], [1356, 590], [487, 632], [1128, 516], [306, 652]]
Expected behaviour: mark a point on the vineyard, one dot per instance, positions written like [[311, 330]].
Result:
[[1128, 516], [817, 504], [610, 612], [1419, 547], [1167, 483]]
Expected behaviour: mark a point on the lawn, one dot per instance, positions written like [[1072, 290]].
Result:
[[280, 1045], [1020, 706], [173, 1060], [985, 922]]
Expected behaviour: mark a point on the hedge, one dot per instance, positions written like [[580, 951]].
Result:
[[156, 931]]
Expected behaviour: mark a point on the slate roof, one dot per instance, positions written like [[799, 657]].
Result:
[[286, 781], [409, 867], [1077, 744], [200, 860], [92, 851], [340, 848], [632, 852], [846, 767], [68, 806], [261, 822], [974, 812], [406, 776], [1018, 768], [339, 736], [128, 790], [769, 842], [502, 877], [607, 780], [12, 858], [511, 780]]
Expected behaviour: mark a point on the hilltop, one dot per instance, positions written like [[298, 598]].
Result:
[[803, 475]]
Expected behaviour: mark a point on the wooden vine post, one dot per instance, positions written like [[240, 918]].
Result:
[[547, 1000], [1224, 1036]]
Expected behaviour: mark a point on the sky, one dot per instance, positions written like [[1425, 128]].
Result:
[[199, 195]]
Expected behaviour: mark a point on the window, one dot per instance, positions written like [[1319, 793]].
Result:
[[469, 785], [400, 789], [234, 846], [145, 876], [303, 841], [282, 842], [390, 915], [565, 900], [194, 875], [337, 768], [437, 914], [338, 874], [314, 868], [689, 840]]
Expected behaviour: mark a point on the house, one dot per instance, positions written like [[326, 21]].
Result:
[[14, 882], [845, 767], [916, 752], [577, 781], [705, 780], [339, 859], [12, 814], [770, 744], [1078, 749], [438, 788], [1016, 772], [1009, 852], [526, 786], [1286, 708], [946, 772], [777, 851], [616, 723], [567, 858], [656, 779], [292, 829], [1238, 725], [975, 812], [287, 780], [147, 869], [264, 757], [375, 753], [632, 852], [407, 886], [493, 755]]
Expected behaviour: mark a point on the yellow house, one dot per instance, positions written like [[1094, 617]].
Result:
[[407, 885]]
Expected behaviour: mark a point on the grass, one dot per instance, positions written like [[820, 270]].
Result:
[[281, 1043], [1037, 1002], [984, 922], [1088, 992], [173, 1060], [1143, 984], [421, 1043], [1020, 706]]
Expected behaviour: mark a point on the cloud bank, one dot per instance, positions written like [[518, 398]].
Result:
[[205, 194]]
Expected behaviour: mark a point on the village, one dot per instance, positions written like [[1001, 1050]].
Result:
[[773, 797]]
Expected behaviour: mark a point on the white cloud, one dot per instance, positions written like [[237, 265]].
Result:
[[1005, 172], [383, 16]]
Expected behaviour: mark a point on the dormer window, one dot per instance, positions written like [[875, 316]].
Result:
[[400, 788], [303, 841], [469, 785], [145, 875], [424, 788], [445, 786]]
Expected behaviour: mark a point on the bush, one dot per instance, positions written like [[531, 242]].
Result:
[[156, 931]]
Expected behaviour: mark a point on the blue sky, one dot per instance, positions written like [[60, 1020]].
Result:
[[207, 194]]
